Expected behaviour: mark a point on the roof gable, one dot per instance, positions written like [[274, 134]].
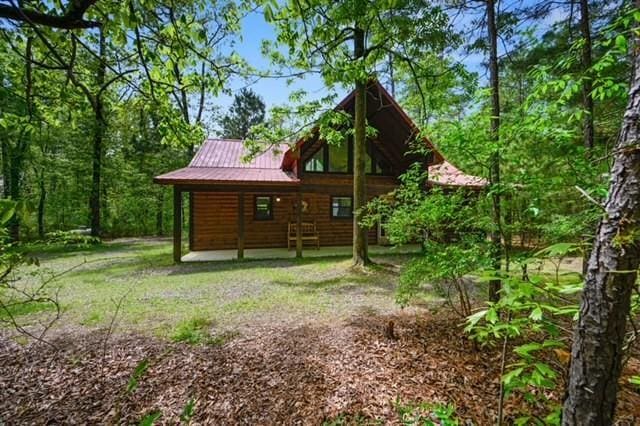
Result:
[[396, 131]]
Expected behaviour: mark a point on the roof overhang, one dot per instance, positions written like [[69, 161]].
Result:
[[231, 176]]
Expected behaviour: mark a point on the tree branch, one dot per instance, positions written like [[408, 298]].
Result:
[[72, 18]]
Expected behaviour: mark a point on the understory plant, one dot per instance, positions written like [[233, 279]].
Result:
[[446, 223], [24, 291], [445, 266], [426, 414], [532, 322]]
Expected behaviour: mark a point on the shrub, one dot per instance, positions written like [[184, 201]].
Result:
[[427, 414], [71, 238]]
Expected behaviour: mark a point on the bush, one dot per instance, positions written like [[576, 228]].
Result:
[[72, 238], [427, 414]]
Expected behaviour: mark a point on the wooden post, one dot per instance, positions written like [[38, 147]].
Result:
[[240, 225], [299, 224], [177, 224]]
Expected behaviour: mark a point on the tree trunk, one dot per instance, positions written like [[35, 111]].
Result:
[[98, 134], [587, 99], [596, 356], [494, 172], [41, 204], [17, 153], [360, 249], [160, 213]]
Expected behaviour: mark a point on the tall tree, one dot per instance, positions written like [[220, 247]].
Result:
[[247, 110], [588, 132], [596, 356], [348, 43], [360, 243], [494, 166]]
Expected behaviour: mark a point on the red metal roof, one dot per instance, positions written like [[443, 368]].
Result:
[[199, 175], [221, 161], [229, 153], [446, 174]]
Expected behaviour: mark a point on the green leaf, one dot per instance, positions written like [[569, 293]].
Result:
[[508, 377], [7, 210], [150, 419], [536, 314], [475, 318], [139, 371]]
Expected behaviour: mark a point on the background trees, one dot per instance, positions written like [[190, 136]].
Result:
[[246, 111]]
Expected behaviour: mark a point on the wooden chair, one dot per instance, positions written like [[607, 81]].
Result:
[[309, 233]]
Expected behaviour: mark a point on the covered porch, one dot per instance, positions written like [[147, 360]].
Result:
[[283, 253]]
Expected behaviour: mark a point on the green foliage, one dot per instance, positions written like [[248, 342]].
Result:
[[150, 419], [70, 238], [447, 226], [196, 331], [188, 411], [193, 331], [137, 374], [537, 313], [426, 414], [247, 110], [443, 265]]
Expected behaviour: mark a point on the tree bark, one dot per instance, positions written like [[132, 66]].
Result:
[[160, 213], [360, 249], [42, 198], [588, 132], [596, 356], [494, 172], [98, 135]]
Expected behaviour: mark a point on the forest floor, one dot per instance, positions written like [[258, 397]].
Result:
[[253, 342]]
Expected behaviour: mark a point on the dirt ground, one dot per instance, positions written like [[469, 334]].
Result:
[[347, 373]]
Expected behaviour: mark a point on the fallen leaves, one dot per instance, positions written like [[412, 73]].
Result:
[[302, 375]]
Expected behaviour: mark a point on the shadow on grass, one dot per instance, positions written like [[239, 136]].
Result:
[[344, 284], [243, 264]]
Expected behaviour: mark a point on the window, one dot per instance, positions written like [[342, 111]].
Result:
[[383, 167], [263, 208], [339, 158], [315, 163], [341, 207], [368, 164]]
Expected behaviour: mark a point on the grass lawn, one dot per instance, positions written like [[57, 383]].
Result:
[[227, 298]]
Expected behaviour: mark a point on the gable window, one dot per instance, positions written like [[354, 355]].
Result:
[[341, 207], [263, 207], [368, 163], [315, 163], [339, 158]]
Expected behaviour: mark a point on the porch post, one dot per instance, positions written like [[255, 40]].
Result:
[[299, 224], [240, 225], [177, 224]]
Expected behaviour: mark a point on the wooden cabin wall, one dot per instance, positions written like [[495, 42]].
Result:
[[215, 215]]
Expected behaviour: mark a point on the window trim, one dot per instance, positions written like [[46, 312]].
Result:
[[331, 207], [255, 207]]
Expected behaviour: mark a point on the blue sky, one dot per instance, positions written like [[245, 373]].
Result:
[[273, 90], [276, 91]]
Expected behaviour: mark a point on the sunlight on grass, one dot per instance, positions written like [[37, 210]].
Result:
[[160, 298]]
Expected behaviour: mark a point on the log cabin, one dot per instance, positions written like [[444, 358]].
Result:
[[298, 195]]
